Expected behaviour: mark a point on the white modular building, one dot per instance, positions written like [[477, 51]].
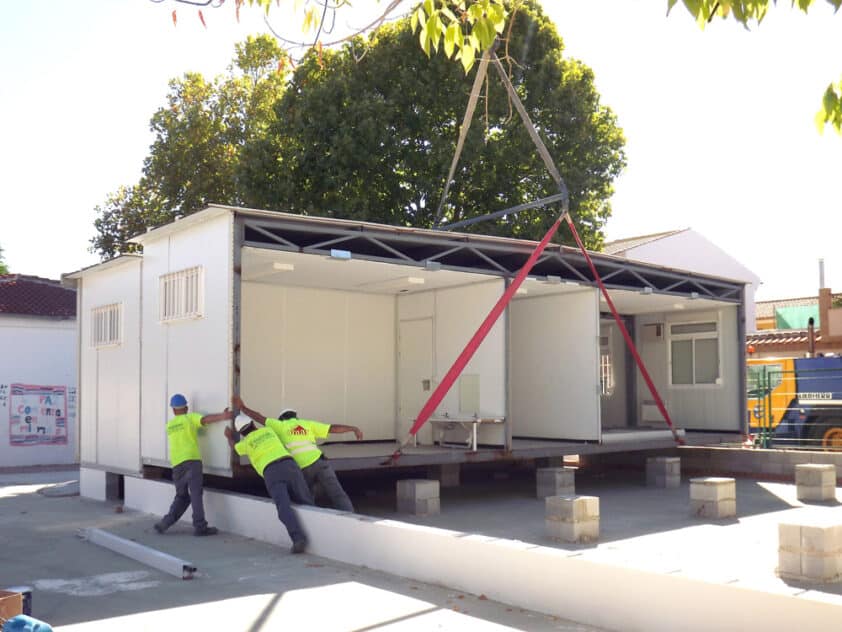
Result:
[[356, 323]]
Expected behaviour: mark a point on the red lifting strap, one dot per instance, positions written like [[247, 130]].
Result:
[[626, 336], [469, 350]]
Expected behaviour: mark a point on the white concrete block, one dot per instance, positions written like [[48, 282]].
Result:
[[815, 474], [555, 481], [815, 492], [789, 564], [713, 489], [92, 483], [811, 551], [825, 539], [789, 536], [417, 488]]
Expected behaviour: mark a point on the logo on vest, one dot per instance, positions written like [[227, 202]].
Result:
[[298, 430]]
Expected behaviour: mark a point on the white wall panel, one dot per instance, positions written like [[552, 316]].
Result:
[[191, 356], [39, 352], [459, 312], [414, 306], [111, 374], [555, 366], [329, 354], [702, 407]]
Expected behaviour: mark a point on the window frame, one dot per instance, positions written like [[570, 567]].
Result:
[[181, 295], [718, 383], [106, 325]]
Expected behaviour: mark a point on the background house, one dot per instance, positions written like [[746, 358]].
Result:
[[782, 327], [686, 249], [37, 372]]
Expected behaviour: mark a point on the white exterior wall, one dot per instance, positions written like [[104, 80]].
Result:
[[555, 366], [702, 407], [37, 351], [192, 356], [110, 381], [328, 354], [688, 250], [456, 314]]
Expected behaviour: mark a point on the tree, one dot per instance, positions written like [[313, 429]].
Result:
[[368, 132], [199, 137], [749, 12], [4, 269]]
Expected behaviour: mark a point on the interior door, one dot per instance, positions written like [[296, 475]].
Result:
[[415, 374]]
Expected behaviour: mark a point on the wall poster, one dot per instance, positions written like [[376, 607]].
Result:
[[37, 414]]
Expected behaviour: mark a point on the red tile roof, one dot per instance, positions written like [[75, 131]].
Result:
[[777, 337], [34, 296]]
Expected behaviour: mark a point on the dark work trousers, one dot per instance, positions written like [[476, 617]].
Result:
[[187, 477], [321, 474], [284, 481]]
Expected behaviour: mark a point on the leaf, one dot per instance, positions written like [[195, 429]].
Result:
[[467, 56], [413, 20], [820, 120], [451, 35], [174, 18]]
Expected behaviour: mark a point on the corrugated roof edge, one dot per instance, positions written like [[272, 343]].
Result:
[[104, 265]]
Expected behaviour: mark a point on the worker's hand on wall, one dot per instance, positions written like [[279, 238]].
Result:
[[358, 433], [237, 402]]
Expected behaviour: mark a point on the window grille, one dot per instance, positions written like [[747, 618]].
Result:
[[181, 295], [107, 325], [606, 368]]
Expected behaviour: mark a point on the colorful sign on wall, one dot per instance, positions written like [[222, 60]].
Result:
[[37, 414]]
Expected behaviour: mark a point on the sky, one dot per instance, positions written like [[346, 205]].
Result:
[[718, 122]]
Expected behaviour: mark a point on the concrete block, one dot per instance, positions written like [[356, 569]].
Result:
[[789, 564], [417, 488], [789, 536], [571, 508], [820, 568], [824, 539], [555, 481], [815, 492], [663, 471], [815, 474], [811, 551], [420, 506], [448, 474], [716, 509], [582, 532], [713, 488]]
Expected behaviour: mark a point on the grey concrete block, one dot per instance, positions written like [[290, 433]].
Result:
[[417, 488], [716, 509], [789, 564], [419, 506], [820, 568], [663, 471], [571, 508], [555, 481], [582, 532], [815, 492], [448, 474]]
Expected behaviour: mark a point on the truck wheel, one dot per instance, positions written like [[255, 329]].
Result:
[[828, 435]]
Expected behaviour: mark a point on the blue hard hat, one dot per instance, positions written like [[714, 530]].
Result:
[[178, 401]]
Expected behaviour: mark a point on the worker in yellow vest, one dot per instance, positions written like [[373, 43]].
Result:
[[299, 437], [186, 461], [281, 475]]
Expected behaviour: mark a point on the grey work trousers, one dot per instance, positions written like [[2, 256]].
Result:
[[321, 475], [284, 482], [187, 477]]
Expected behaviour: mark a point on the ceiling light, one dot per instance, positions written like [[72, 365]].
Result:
[[694, 296], [432, 266], [415, 280], [285, 267], [647, 290], [552, 280], [677, 306], [342, 255], [522, 290]]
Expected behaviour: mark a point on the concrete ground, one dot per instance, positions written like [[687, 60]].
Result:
[[242, 584], [640, 527]]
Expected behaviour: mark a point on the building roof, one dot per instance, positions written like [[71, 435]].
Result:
[[621, 246], [777, 337], [34, 296], [766, 309]]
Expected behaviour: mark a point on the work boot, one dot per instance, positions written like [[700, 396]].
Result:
[[159, 527], [206, 531], [298, 546]]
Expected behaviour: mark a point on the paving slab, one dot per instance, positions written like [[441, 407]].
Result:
[[241, 584]]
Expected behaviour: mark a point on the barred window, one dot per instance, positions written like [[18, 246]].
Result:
[[181, 295], [606, 367], [107, 325]]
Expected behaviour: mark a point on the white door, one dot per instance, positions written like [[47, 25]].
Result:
[[415, 374]]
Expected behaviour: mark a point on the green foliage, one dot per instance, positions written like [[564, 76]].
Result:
[[199, 138], [4, 269], [367, 132], [748, 12]]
